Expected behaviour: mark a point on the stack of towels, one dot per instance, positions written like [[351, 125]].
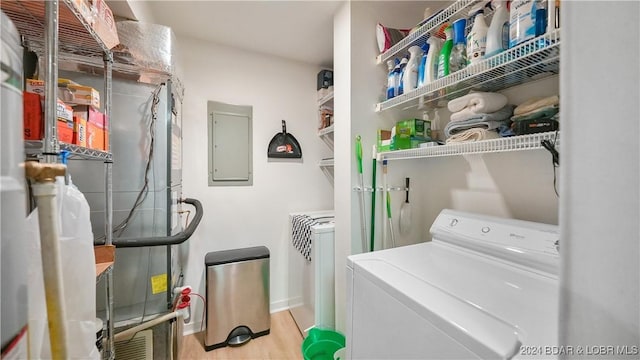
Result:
[[536, 115], [477, 116]]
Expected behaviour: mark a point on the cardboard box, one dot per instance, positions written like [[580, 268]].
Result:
[[76, 94], [65, 131], [95, 130], [86, 9], [106, 132], [384, 140], [33, 119], [32, 116], [411, 133], [79, 131], [105, 24], [35, 86]]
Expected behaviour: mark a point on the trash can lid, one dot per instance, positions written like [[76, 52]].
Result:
[[236, 255]]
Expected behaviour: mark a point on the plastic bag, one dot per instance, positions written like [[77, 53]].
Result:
[[78, 277]]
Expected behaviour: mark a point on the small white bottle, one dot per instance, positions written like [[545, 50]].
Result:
[[411, 70]]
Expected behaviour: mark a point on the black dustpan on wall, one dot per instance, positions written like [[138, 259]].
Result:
[[284, 145]]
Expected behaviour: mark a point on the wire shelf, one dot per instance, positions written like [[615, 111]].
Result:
[[456, 11], [326, 131], [513, 143], [75, 35], [36, 148], [532, 60], [325, 99], [326, 163]]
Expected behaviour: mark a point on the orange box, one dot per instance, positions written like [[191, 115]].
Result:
[[79, 131], [33, 119], [65, 131], [95, 131], [32, 116]]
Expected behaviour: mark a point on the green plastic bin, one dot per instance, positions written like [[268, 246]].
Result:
[[322, 344]]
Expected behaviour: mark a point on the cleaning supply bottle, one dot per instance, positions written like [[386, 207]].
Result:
[[422, 66], [391, 80], [445, 53], [458, 59], [403, 66], [498, 34], [411, 70], [396, 77], [431, 67], [477, 38]]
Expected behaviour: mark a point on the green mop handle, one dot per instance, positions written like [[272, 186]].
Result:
[[359, 153], [373, 198]]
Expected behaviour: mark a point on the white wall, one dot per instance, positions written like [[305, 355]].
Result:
[[236, 217], [357, 88], [599, 246]]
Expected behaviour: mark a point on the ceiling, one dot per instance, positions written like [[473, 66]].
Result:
[[297, 30]]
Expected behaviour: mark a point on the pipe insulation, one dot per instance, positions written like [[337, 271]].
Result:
[[176, 239]]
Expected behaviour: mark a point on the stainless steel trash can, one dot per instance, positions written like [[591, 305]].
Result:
[[237, 289]]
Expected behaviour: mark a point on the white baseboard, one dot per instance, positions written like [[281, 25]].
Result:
[[276, 306]]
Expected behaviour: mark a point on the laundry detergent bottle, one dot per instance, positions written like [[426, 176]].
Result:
[[498, 34], [411, 70], [477, 38], [423, 63], [458, 59], [445, 53]]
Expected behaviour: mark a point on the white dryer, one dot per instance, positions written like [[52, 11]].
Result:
[[484, 287]]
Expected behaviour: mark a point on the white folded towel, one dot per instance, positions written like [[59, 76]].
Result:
[[475, 134], [500, 115], [478, 102]]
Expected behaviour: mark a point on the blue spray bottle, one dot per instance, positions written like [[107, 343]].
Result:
[[397, 71], [423, 63], [403, 65], [391, 80]]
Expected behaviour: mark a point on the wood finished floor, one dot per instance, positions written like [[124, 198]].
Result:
[[283, 342]]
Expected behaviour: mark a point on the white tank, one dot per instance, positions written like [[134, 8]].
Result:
[[13, 271]]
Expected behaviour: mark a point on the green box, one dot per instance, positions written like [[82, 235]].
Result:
[[384, 140], [411, 133]]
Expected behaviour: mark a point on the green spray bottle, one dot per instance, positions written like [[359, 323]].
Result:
[[445, 53]]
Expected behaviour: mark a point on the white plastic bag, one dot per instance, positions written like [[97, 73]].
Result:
[[78, 278]]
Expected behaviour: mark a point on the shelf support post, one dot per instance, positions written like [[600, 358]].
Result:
[[51, 146]]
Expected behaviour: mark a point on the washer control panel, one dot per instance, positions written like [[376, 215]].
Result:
[[515, 240]]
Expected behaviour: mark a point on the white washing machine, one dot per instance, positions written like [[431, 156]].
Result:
[[484, 287]]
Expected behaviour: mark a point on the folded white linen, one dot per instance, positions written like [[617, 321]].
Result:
[[536, 103], [478, 102], [475, 134], [464, 115], [455, 127]]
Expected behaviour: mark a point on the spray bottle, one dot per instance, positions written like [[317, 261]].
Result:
[[401, 73], [391, 80], [477, 38], [445, 53], [411, 71], [431, 67], [423, 63]]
